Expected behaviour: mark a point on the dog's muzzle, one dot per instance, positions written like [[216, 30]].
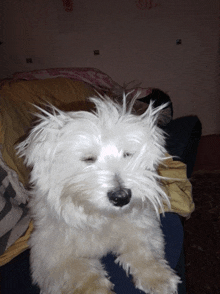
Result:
[[119, 197]]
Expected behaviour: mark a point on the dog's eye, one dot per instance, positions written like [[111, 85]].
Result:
[[89, 159], [127, 154]]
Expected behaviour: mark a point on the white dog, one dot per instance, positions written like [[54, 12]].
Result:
[[95, 190]]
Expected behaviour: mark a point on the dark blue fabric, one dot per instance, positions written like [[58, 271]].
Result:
[[173, 234], [183, 136], [16, 278]]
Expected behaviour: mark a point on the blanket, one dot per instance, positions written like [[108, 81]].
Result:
[[14, 219]]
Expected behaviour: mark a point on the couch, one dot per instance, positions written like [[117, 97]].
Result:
[[59, 86]]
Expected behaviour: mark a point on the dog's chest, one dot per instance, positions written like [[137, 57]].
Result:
[[108, 237]]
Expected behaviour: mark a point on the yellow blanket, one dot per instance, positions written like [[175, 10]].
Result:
[[16, 110], [15, 120]]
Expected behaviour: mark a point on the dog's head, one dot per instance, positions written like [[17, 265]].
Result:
[[96, 163]]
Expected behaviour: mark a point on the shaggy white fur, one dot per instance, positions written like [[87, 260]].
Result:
[[95, 189]]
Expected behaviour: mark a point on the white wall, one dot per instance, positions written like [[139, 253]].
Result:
[[135, 44]]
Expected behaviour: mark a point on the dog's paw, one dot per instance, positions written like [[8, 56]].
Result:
[[94, 285], [158, 280]]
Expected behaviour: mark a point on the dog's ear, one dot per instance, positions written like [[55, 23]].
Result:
[[40, 145], [153, 114], [156, 140]]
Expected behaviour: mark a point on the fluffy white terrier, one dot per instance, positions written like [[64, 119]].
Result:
[[95, 190]]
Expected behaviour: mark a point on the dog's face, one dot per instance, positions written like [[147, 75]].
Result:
[[96, 163]]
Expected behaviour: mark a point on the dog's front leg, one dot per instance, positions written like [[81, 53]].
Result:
[[83, 276], [150, 274]]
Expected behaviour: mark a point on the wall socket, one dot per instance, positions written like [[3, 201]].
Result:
[[29, 60], [96, 52]]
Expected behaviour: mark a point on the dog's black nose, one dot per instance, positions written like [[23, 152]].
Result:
[[119, 197]]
